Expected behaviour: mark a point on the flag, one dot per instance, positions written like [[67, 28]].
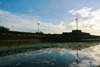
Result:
[[77, 61], [76, 18]]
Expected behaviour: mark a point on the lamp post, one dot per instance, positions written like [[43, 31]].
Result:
[[38, 26], [12, 27]]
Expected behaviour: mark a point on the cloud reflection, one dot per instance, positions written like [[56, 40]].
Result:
[[92, 54], [29, 54], [86, 57]]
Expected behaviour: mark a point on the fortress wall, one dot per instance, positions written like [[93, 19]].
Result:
[[6, 35], [19, 35]]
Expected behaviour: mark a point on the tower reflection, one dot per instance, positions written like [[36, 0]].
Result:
[[77, 57]]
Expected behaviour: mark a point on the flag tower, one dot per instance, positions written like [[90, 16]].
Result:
[[76, 22]]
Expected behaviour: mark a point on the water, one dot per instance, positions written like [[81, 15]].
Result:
[[54, 57]]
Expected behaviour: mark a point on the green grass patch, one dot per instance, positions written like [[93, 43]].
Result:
[[18, 42]]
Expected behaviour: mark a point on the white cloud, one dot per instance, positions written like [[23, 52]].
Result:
[[0, 2], [84, 12], [50, 28], [28, 23], [71, 11], [30, 9], [91, 24]]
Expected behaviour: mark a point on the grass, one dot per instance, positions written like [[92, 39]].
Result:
[[50, 39], [90, 39], [18, 42], [98, 66]]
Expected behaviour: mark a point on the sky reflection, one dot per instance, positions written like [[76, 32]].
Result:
[[88, 57], [52, 57]]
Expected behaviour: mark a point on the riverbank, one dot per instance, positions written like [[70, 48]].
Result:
[[19, 42], [8, 50]]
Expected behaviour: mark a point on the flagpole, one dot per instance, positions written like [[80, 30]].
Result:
[[76, 23], [77, 57]]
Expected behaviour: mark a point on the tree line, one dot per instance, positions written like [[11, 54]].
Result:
[[2, 28]]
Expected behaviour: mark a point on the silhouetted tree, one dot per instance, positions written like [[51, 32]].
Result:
[[40, 32], [49, 33], [2, 28]]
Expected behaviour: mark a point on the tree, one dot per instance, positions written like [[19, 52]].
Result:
[[2, 28], [40, 32]]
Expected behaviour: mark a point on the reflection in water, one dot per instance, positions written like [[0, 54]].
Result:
[[54, 57], [10, 50], [77, 57], [87, 57]]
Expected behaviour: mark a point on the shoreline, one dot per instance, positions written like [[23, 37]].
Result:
[[19, 42], [8, 50]]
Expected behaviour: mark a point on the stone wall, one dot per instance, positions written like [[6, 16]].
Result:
[[7, 35]]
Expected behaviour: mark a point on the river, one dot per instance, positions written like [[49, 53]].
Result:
[[53, 57]]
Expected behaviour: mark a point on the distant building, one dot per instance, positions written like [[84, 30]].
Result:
[[76, 32]]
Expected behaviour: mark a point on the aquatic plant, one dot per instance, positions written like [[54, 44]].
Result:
[[8, 50]]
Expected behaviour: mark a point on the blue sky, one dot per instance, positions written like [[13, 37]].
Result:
[[54, 16]]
